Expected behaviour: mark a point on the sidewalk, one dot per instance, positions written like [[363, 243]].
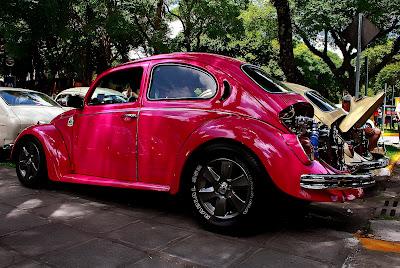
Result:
[[71, 225]]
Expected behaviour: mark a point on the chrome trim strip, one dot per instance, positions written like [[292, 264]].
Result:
[[369, 165], [335, 181]]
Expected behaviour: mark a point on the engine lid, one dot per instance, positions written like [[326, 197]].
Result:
[[360, 111]]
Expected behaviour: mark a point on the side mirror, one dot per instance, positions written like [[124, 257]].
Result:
[[75, 101]]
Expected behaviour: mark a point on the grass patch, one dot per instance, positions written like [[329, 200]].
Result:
[[392, 151], [391, 130], [7, 165]]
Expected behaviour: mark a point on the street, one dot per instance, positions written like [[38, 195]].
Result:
[[82, 226]]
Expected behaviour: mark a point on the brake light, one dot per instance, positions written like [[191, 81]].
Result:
[[301, 147], [307, 147]]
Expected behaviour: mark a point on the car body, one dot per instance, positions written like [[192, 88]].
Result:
[[63, 96], [21, 108], [358, 117], [196, 114]]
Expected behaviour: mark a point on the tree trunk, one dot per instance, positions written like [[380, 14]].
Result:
[[285, 35]]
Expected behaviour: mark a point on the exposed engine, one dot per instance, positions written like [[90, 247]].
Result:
[[317, 140], [359, 142]]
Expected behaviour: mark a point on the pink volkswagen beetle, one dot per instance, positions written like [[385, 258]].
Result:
[[211, 126]]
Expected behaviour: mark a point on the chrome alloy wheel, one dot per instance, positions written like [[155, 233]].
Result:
[[29, 160], [224, 188]]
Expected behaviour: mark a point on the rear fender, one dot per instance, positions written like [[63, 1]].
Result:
[[265, 141], [57, 157]]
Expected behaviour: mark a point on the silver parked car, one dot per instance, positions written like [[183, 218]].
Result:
[[21, 108], [103, 94]]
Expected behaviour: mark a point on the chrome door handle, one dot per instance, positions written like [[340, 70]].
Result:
[[129, 115]]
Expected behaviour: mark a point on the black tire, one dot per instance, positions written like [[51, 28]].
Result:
[[31, 163], [228, 202]]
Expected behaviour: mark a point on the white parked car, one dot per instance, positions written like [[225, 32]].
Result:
[[21, 108], [104, 94]]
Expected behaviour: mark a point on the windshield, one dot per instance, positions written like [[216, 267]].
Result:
[[264, 81], [26, 98], [322, 103]]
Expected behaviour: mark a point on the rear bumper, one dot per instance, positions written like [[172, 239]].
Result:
[[335, 181], [369, 165]]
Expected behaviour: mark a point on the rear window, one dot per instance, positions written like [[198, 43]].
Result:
[[26, 98], [263, 80], [322, 103]]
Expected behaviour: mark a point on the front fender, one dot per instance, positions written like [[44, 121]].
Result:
[[57, 157], [268, 144]]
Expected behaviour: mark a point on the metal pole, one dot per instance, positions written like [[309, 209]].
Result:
[[391, 111], [366, 76], [393, 95], [360, 16], [384, 108]]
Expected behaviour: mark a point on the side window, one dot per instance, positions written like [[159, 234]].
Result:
[[181, 82], [118, 87]]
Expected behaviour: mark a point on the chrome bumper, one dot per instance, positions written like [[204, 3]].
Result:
[[335, 181], [369, 165]]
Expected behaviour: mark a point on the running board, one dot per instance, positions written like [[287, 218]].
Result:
[[84, 179]]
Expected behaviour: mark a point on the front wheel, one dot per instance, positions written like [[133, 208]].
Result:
[[223, 186], [31, 163]]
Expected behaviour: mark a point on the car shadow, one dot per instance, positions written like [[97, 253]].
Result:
[[274, 216]]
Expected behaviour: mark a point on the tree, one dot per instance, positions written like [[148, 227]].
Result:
[[201, 19], [316, 73], [390, 75], [321, 22], [285, 35], [76, 38]]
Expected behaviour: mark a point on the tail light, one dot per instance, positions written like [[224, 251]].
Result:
[[308, 148], [301, 147]]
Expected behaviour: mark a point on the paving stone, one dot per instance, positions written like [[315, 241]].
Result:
[[14, 191], [275, 259], [209, 250], [8, 182], [318, 244], [373, 259], [4, 208], [148, 235], [29, 264], [386, 230], [94, 253], [65, 210], [7, 173], [29, 202], [44, 238], [138, 213], [17, 220], [162, 261], [101, 222], [8, 257], [178, 220]]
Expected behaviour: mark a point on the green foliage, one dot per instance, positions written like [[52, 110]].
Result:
[[390, 74], [76, 38], [205, 20], [316, 73], [258, 44], [79, 39], [313, 18]]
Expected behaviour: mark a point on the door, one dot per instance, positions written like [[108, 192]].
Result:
[[105, 131], [179, 100]]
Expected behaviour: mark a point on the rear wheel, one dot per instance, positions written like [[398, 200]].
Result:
[[31, 163], [223, 186]]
